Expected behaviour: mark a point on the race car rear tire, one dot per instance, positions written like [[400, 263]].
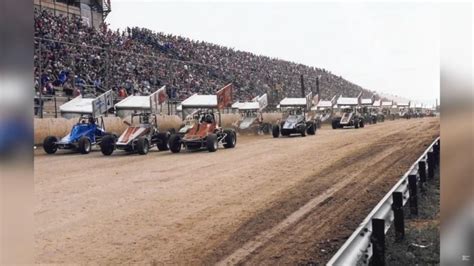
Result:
[[276, 131], [311, 129], [211, 143], [107, 145], [143, 146], [163, 141], [361, 124], [356, 124], [335, 124], [230, 138], [303, 132], [49, 144], [175, 143], [84, 145]]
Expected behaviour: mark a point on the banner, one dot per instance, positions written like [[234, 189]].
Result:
[[157, 98], [224, 96], [263, 101], [102, 103]]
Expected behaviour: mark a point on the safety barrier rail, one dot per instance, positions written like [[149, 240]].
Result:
[[367, 242]]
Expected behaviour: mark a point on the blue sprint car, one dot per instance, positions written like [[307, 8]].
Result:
[[87, 132]]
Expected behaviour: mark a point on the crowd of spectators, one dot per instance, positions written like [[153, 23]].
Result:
[[77, 58]]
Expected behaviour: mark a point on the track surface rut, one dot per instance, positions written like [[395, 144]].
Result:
[[290, 199]]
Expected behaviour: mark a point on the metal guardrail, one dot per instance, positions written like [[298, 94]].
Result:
[[367, 242]]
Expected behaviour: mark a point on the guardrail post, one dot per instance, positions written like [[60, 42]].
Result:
[[413, 195], [422, 171], [431, 165], [378, 242], [397, 208], [436, 152]]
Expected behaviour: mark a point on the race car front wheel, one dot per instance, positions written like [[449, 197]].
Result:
[[84, 145], [49, 145], [143, 146], [211, 143]]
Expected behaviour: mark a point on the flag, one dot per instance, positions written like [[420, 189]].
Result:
[[162, 95], [157, 98], [224, 96]]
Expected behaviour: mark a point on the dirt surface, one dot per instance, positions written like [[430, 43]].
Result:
[[288, 200]]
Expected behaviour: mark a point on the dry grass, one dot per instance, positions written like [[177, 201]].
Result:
[[113, 124], [166, 122], [228, 120], [271, 118], [51, 127]]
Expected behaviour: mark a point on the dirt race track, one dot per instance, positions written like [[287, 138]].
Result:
[[288, 200]]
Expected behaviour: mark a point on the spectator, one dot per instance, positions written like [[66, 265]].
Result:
[[141, 61]]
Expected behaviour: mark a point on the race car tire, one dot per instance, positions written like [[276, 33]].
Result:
[[49, 144], [84, 145], [175, 143], [311, 129], [211, 142], [361, 124], [107, 145], [230, 138], [163, 141], [303, 132], [143, 146], [276, 131]]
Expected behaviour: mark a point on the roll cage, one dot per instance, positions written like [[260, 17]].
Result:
[[144, 118], [89, 119]]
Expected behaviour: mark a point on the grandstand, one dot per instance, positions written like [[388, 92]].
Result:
[[92, 12], [73, 57]]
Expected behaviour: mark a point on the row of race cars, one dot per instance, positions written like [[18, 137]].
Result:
[[202, 121], [143, 132]]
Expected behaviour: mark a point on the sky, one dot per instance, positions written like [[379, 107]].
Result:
[[392, 48]]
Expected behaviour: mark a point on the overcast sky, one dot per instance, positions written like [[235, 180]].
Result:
[[387, 47]]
